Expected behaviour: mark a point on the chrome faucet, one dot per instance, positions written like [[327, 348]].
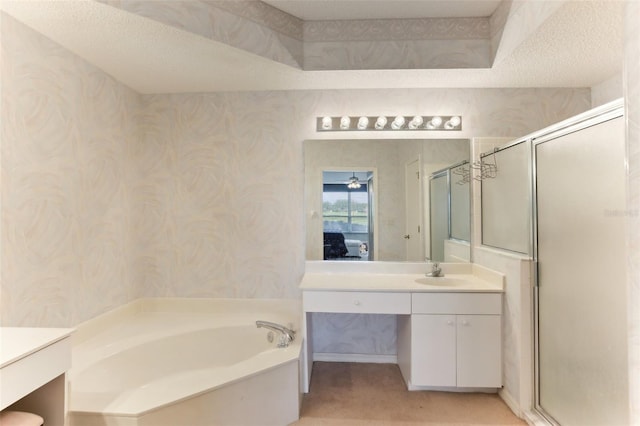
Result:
[[287, 334], [436, 271]]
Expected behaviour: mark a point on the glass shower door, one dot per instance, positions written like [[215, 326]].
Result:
[[439, 214], [581, 294]]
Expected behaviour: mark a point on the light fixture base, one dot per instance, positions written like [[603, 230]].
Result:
[[394, 123]]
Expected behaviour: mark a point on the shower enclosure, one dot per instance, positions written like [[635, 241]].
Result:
[[579, 247]]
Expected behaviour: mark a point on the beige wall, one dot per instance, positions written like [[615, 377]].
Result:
[[67, 129], [225, 172], [607, 91], [109, 196], [632, 96]]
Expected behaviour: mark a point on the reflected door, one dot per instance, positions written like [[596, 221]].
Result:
[[413, 234], [582, 331]]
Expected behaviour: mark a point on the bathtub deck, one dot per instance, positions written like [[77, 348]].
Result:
[[106, 347]]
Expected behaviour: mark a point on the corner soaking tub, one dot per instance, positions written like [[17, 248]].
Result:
[[196, 362]]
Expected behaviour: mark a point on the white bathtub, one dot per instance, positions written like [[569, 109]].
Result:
[[189, 362]]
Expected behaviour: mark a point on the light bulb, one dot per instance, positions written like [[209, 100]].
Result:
[[345, 122], [434, 123], [416, 122], [363, 123], [326, 123], [398, 122], [452, 123], [381, 122]]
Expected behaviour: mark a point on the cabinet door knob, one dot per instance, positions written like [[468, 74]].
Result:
[[449, 322], [357, 303], [465, 322]]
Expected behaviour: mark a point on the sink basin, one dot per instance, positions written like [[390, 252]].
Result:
[[439, 281]]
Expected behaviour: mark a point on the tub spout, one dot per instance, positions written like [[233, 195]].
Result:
[[288, 335]]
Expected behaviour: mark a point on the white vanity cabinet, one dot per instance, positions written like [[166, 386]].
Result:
[[478, 351], [449, 328], [451, 340]]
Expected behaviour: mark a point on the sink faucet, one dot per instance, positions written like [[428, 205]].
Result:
[[287, 335], [436, 271]]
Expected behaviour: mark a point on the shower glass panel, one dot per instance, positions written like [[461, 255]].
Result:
[[506, 200], [439, 214], [581, 294], [460, 217]]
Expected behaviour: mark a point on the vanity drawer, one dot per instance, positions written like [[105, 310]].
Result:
[[357, 302], [457, 303]]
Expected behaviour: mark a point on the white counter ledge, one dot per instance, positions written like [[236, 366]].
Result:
[[382, 277], [33, 362], [20, 342]]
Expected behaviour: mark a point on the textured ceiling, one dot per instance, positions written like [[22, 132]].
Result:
[[329, 10], [578, 45]]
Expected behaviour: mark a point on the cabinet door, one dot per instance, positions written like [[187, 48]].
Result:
[[479, 354], [434, 350]]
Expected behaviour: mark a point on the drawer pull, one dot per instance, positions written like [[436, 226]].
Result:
[[357, 303]]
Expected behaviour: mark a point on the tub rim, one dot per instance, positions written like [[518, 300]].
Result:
[[92, 330]]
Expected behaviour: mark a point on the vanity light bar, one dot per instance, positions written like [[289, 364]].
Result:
[[398, 122]]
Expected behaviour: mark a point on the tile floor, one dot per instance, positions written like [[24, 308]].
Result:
[[350, 394]]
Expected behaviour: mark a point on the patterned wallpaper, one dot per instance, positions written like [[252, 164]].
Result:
[[263, 14], [397, 29], [109, 196], [400, 54], [397, 44], [218, 195], [67, 129]]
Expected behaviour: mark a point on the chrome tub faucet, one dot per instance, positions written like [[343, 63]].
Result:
[[287, 335]]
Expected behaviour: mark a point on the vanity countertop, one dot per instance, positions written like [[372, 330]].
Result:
[[19, 342], [413, 283], [399, 277]]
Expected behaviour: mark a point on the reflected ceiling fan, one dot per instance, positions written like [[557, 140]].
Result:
[[353, 182]]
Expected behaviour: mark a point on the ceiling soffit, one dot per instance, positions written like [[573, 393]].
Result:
[[262, 14], [397, 29], [189, 47], [256, 27], [335, 10], [252, 26]]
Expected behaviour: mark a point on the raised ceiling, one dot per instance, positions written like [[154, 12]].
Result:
[[172, 47], [330, 10]]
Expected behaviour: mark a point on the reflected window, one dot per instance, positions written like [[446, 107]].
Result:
[[345, 210]]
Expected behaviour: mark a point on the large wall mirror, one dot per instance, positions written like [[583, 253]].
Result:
[[385, 218]]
